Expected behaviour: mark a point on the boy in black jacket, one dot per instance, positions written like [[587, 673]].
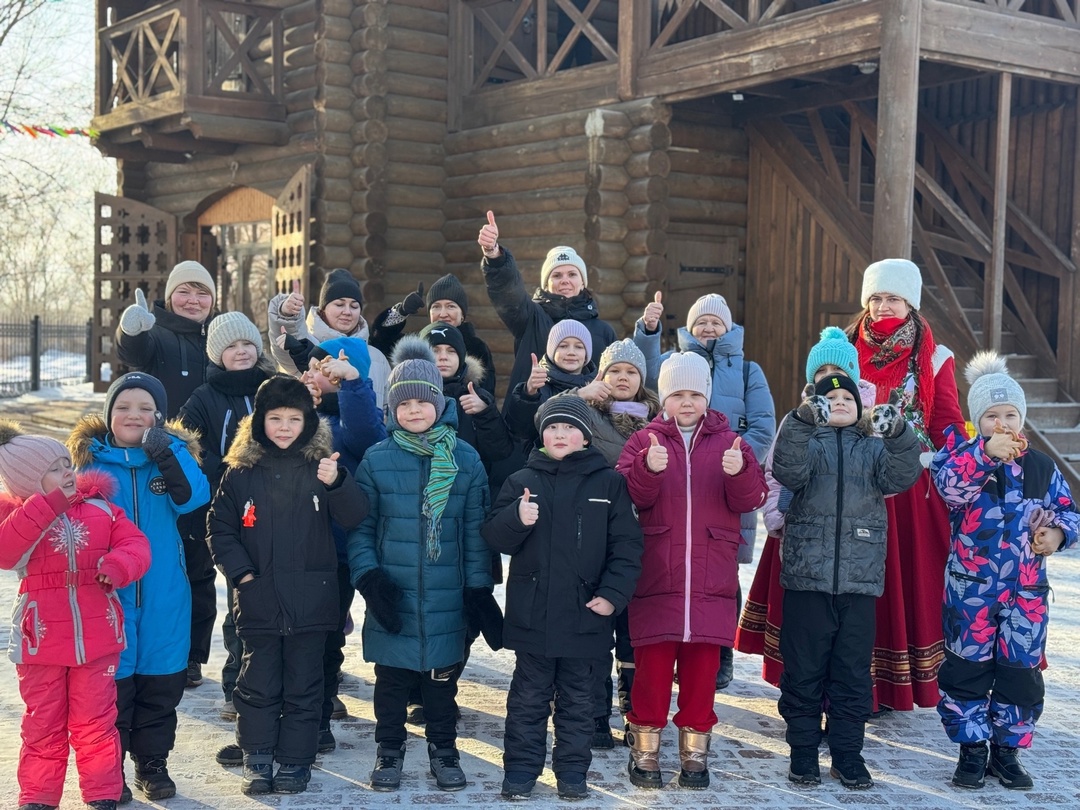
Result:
[[270, 533], [576, 559]]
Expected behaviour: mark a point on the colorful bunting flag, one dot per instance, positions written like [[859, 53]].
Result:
[[50, 130]]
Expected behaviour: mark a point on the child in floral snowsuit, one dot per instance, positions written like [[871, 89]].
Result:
[[1010, 508]]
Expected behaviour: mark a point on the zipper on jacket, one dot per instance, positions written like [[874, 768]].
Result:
[[225, 432], [183, 354], [422, 551], [579, 530], [688, 558], [73, 597], [135, 520], [839, 508]]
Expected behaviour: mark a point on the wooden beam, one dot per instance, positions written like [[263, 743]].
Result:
[[994, 278], [1068, 342], [633, 41], [897, 121]]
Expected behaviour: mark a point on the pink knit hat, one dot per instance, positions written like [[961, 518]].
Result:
[[24, 459]]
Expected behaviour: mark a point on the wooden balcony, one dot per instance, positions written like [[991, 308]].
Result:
[[188, 76]]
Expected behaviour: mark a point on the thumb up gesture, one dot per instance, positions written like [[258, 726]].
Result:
[[471, 403], [328, 469], [294, 304], [653, 313], [528, 512], [656, 459], [137, 318], [489, 237], [537, 378], [733, 461]]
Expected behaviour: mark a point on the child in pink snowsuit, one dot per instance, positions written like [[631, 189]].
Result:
[[72, 549]]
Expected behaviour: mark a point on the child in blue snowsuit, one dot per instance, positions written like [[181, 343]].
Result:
[[1010, 508]]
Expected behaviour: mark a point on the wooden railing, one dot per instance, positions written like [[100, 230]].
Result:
[[1065, 10]]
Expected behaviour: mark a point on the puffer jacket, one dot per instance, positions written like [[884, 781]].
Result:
[[157, 608], [585, 543], [689, 514], [286, 540], [835, 529], [393, 537], [485, 431], [315, 329], [520, 408], [63, 616], [991, 561], [174, 351], [530, 319]]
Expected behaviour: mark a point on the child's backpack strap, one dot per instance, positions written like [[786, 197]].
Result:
[[1038, 471]]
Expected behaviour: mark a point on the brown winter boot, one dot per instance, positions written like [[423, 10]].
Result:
[[694, 756], [644, 767]]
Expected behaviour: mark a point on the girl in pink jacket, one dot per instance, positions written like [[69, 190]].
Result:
[[691, 477], [72, 549]]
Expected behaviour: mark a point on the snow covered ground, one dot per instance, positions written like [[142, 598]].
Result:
[[57, 368]]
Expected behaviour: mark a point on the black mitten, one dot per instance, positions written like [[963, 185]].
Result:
[[157, 444], [414, 301], [382, 596], [814, 411], [483, 614]]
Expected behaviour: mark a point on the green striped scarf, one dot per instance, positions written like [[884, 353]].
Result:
[[439, 444]]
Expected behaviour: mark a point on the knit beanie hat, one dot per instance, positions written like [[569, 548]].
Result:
[[448, 288], [227, 328], [833, 349], [568, 409], [415, 375], [834, 381], [443, 334], [557, 257], [356, 351], [711, 304], [623, 351], [283, 391], [189, 272], [339, 283], [567, 328], [684, 371], [991, 385], [896, 276], [137, 379], [24, 459]]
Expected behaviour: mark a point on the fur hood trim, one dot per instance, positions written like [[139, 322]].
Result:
[[475, 370], [93, 427], [245, 452]]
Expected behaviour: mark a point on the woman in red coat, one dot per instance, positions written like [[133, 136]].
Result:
[[897, 353]]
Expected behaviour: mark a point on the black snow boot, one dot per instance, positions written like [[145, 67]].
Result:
[[804, 769], [1005, 765], [852, 772], [971, 769], [258, 772], [727, 668], [446, 767], [386, 775], [292, 778], [152, 778]]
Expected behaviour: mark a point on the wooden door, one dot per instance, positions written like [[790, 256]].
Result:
[[702, 260], [290, 234], [135, 246]]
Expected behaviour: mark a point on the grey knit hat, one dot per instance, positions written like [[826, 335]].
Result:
[[685, 371], [448, 288], [711, 304], [415, 375], [227, 328], [564, 329], [623, 351], [991, 385], [569, 409]]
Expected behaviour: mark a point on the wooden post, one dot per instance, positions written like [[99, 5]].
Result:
[[894, 183], [994, 279], [1068, 343], [634, 21]]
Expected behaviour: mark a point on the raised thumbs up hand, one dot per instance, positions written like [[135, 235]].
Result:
[[733, 461], [137, 318], [328, 469], [596, 391], [528, 511], [472, 403], [657, 457], [653, 313], [537, 377], [489, 237], [294, 304]]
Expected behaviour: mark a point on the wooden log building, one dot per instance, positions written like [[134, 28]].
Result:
[[764, 149]]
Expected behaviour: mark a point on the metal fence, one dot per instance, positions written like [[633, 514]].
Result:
[[35, 355]]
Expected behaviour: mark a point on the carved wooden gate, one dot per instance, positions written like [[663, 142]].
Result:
[[290, 235]]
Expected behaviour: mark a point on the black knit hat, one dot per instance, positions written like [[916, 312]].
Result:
[[450, 289], [569, 409], [339, 283], [834, 381], [443, 334], [137, 379], [283, 391]]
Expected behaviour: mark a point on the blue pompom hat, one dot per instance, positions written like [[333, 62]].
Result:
[[834, 349]]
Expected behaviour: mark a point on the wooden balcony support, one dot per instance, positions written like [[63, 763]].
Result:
[[994, 281]]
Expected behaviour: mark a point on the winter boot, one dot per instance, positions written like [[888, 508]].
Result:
[[194, 675], [694, 759], [571, 785], [601, 738], [231, 756], [327, 743], [338, 711], [152, 778], [517, 785], [971, 769], [1005, 765], [851, 770], [446, 767], [100, 804], [387, 773], [292, 778], [804, 769], [258, 772], [644, 767], [727, 668]]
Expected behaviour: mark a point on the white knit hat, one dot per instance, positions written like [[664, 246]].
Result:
[[189, 272], [623, 351], [896, 276], [991, 385], [557, 257], [711, 304], [567, 328], [227, 328], [684, 371]]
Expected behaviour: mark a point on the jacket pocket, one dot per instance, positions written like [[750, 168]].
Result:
[[30, 627], [868, 552], [115, 615], [721, 561], [520, 598], [590, 622], [655, 562], [804, 554], [246, 600]]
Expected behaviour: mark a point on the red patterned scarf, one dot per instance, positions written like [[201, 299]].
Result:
[[887, 353]]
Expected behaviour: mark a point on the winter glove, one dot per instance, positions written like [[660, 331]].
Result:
[[1040, 518], [382, 596], [783, 500], [137, 318], [157, 444], [414, 301], [483, 614], [887, 420], [814, 411]]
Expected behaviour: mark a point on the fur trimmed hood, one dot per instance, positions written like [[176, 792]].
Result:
[[92, 427], [246, 451]]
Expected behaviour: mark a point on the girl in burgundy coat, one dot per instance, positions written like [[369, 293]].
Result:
[[690, 477]]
